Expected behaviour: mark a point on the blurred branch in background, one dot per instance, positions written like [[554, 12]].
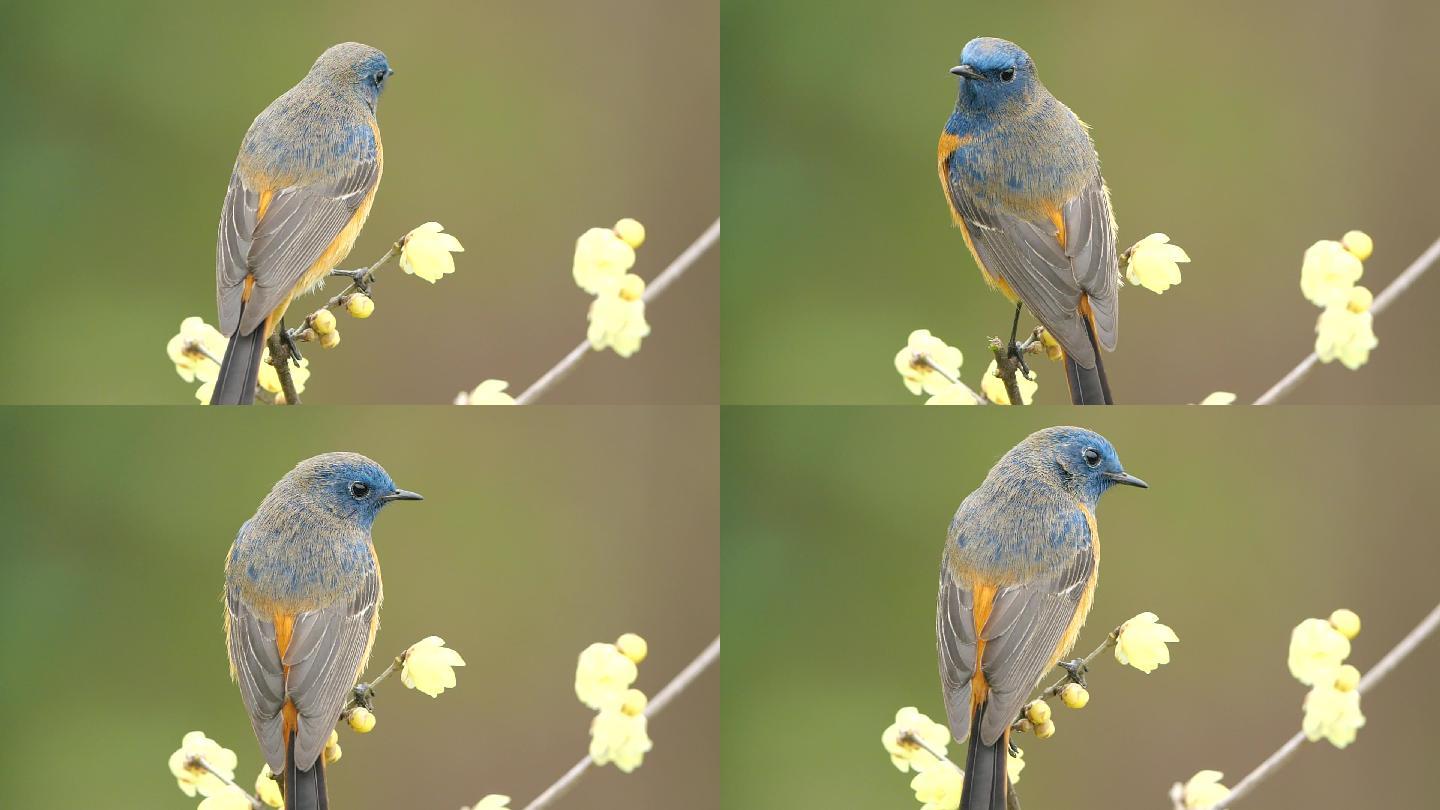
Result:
[[678, 684], [1407, 645], [667, 276], [1401, 284]]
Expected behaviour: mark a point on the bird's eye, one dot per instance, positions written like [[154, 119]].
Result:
[[379, 77], [1007, 75], [1092, 456], [359, 490]]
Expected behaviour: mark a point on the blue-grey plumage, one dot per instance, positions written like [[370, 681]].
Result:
[[300, 192], [302, 602], [1023, 182], [1017, 577]]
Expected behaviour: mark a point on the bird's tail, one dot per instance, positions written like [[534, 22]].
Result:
[[304, 790], [986, 783], [1088, 386], [239, 369]]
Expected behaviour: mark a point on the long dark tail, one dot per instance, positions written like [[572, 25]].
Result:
[[1088, 386], [239, 369], [986, 783], [304, 790]]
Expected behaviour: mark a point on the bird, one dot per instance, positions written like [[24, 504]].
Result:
[[1017, 578], [1022, 179], [300, 192], [302, 605]]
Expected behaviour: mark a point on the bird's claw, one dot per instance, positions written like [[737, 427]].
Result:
[[360, 278], [364, 696], [1075, 670], [289, 340]]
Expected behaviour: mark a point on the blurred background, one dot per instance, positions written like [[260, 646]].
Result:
[[1244, 131], [543, 530], [833, 524], [515, 125]]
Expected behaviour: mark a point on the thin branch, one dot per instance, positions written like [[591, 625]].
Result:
[[667, 276], [702, 662], [397, 661], [280, 361], [1377, 673], [1399, 286], [1110, 641]]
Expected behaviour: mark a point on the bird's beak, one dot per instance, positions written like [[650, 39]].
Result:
[[968, 72], [403, 495], [389, 72], [1127, 479]]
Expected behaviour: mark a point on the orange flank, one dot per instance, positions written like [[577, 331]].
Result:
[[1057, 218], [984, 596], [284, 627], [264, 205]]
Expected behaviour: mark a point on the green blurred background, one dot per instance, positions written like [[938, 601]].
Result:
[[543, 530], [1245, 131], [833, 522], [516, 125]]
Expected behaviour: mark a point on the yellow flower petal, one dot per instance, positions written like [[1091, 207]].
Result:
[[619, 738], [600, 256], [1332, 714], [952, 394], [1358, 243], [1342, 333], [1142, 643], [192, 778], [192, 349], [1204, 790], [1328, 271], [430, 666], [268, 789], [269, 378], [426, 252], [1317, 650], [906, 754], [602, 675], [230, 798], [1154, 263], [617, 316], [494, 801], [1219, 398], [490, 392], [919, 375], [939, 788]]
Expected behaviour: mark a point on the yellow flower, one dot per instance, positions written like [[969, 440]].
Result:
[[1037, 712], [994, 388], [1332, 714], [617, 316], [919, 375], [1142, 643], [360, 305], [494, 801], [632, 646], [602, 675], [1345, 330], [907, 754], [1155, 263], [268, 789], [600, 256], [490, 392], [1358, 243], [362, 720], [269, 378], [1347, 678], [631, 232], [1219, 398], [426, 252], [1017, 764], [322, 321], [1074, 695], [230, 798], [1347, 622], [191, 777], [619, 737], [1204, 790], [1045, 730], [939, 788], [953, 394], [430, 666], [192, 349], [1317, 650], [1328, 272], [330, 339]]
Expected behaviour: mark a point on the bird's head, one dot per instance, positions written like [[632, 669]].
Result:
[[993, 73], [1086, 462], [348, 486], [357, 67]]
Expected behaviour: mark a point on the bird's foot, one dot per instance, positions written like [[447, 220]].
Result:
[[1014, 749], [364, 695], [1075, 670], [360, 278], [288, 339]]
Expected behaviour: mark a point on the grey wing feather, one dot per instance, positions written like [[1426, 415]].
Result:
[[327, 649], [1050, 278], [255, 661], [299, 225], [1025, 626], [955, 641]]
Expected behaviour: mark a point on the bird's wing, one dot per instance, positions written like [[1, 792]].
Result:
[[255, 665], [316, 671], [327, 649], [1047, 276], [276, 234], [1027, 624], [955, 639]]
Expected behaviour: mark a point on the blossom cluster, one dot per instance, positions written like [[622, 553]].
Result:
[[1318, 649], [604, 676], [928, 365], [1328, 275]]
